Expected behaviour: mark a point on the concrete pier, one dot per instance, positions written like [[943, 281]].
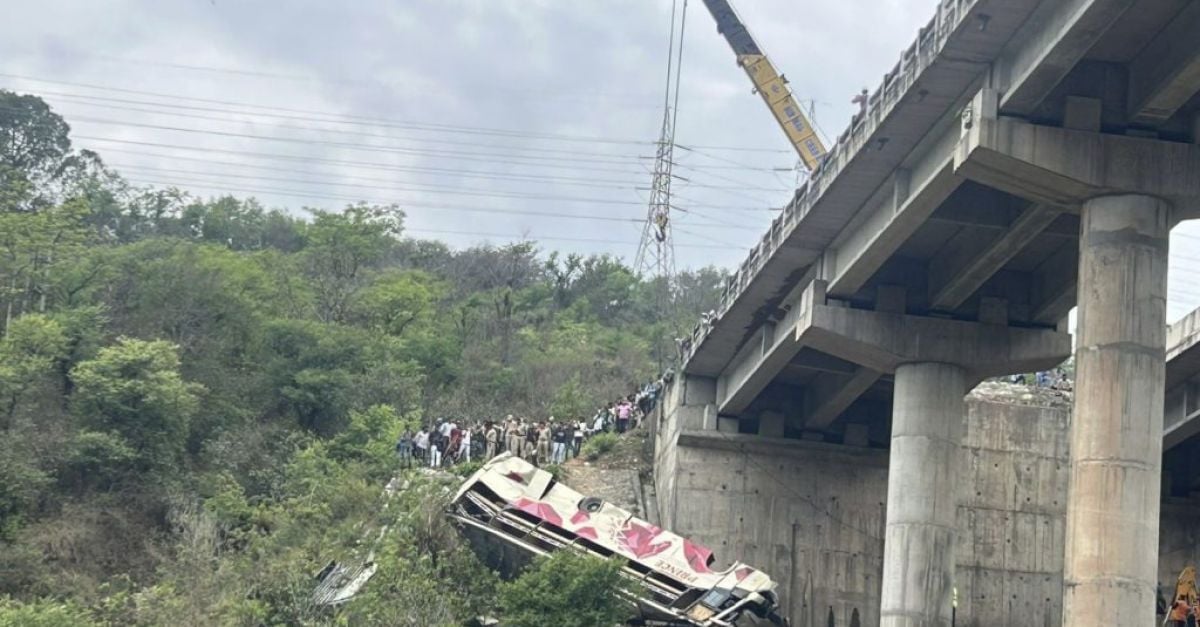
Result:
[[918, 559], [1116, 436]]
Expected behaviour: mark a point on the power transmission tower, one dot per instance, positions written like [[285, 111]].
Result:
[[656, 251]]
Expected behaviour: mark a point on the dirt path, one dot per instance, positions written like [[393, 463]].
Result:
[[613, 477]]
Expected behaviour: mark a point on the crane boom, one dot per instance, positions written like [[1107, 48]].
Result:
[[768, 83]]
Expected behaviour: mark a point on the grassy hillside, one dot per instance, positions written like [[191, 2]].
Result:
[[198, 397]]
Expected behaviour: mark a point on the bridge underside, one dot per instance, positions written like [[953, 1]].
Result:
[[972, 214], [1023, 158]]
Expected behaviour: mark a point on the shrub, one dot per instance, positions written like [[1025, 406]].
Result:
[[43, 613], [566, 589], [598, 445], [557, 471], [466, 469]]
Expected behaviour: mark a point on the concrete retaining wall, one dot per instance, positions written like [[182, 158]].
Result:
[[1012, 507], [812, 514]]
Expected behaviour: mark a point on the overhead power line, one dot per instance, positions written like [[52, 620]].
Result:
[[213, 181], [377, 121], [499, 176], [361, 164], [739, 190], [308, 180], [365, 165], [544, 93], [223, 188], [457, 154], [569, 239], [166, 109], [416, 189], [433, 171]]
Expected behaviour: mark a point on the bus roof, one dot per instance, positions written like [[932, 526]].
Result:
[[523, 486]]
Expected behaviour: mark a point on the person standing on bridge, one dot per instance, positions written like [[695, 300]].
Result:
[[862, 99]]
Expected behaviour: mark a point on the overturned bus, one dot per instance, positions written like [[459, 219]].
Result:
[[511, 511]]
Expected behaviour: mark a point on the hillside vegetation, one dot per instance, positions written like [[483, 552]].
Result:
[[199, 397]]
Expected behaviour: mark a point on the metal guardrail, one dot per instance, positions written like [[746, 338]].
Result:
[[895, 84]]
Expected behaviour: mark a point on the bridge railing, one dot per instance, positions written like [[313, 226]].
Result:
[[895, 85]]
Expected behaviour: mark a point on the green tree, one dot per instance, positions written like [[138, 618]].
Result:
[[134, 389], [342, 248], [21, 482], [318, 372], [32, 248], [566, 589], [570, 401], [398, 301], [28, 353], [33, 142], [371, 435]]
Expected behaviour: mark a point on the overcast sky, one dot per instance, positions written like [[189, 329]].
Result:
[[483, 119]]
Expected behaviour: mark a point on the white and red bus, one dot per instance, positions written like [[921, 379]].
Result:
[[512, 511]]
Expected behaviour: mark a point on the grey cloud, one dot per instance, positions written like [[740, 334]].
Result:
[[588, 68]]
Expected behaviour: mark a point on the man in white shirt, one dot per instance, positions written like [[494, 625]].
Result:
[[421, 443], [577, 438], [464, 447]]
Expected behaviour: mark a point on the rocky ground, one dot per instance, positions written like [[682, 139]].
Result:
[[617, 476], [996, 390]]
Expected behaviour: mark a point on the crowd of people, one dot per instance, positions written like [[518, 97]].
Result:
[[1056, 379], [447, 442]]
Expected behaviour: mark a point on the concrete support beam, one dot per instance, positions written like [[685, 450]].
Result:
[[883, 341], [981, 216], [829, 396], [1116, 435], [821, 362], [754, 366], [1166, 74], [765, 355], [880, 230], [918, 549], [1067, 167], [955, 276], [1039, 58]]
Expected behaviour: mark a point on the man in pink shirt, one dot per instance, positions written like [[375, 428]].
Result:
[[624, 410]]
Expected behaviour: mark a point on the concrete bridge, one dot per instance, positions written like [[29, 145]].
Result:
[[1181, 420], [1023, 157]]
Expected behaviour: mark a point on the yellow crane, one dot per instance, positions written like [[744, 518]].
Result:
[[768, 83]]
